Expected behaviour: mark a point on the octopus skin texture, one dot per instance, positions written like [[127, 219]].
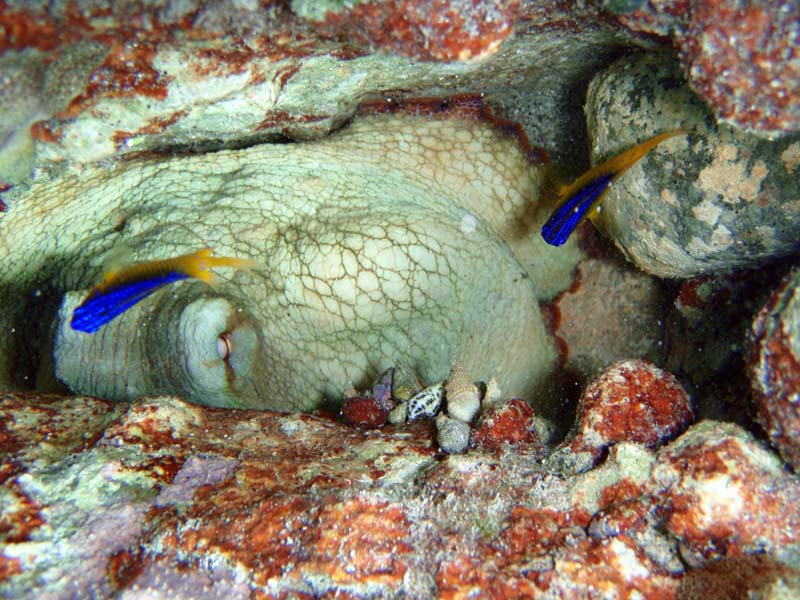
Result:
[[395, 240]]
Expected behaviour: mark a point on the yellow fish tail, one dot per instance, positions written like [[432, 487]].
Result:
[[200, 263]]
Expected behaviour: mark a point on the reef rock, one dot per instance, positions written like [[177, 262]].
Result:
[[775, 368], [738, 56], [505, 424], [119, 499], [156, 75], [592, 332], [708, 479], [631, 400], [388, 164], [714, 199]]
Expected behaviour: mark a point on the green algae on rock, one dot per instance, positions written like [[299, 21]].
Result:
[[715, 200], [397, 239]]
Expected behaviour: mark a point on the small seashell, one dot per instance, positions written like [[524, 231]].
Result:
[[382, 390], [493, 394], [399, 413], [463, 396], [426, 403], [350, 391], [452, 434], [406, 381]]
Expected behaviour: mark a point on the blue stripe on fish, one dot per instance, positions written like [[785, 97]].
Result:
[[121, 289], [104, 305], [566, 217]]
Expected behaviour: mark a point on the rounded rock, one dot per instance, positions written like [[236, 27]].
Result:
[[723, 494], [741, 58], [714, 199], [452, 434], [631, 401], [399, 413], [364, 412], [598, 332], [775, 368], [506, 424]]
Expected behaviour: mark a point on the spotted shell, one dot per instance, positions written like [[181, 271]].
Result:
[[426, 403], [463, 396]]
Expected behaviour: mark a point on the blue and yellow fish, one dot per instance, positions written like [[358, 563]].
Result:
[[122, 288], [582, 199]]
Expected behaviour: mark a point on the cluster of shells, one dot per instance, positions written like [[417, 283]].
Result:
[[453, 403]]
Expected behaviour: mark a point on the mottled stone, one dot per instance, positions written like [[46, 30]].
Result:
[[544, 549], [748, 576], [506, 424], [364, 412], [707, 337], [714, 199], [738, 56], [618, 480], [165, 75], [161, 498], [618, 564], [452, 435], [660, 17], [775, 368], [399, 414], [440, 30], [162, 478], [161, 580], [741, 58], [711, 318], [722, 494], [630, 401]]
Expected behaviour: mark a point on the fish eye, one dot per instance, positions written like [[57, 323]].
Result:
[[225, 345]]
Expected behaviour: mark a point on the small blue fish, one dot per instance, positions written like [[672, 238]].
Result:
[[123, 288], [582, 199]]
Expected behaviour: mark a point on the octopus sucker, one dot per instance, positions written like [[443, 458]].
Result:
[[364, 263]]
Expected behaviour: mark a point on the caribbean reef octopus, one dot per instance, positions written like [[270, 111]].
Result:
[[397, 239]]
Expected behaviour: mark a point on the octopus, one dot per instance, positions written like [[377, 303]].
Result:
[[398, 239]]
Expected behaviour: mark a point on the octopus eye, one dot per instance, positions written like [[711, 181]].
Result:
[[225, 345]]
